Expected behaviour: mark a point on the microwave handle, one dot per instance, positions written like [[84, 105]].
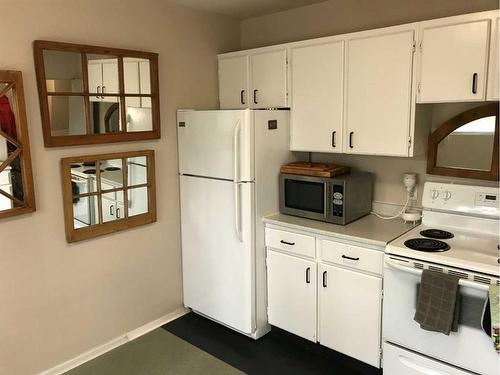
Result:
[[325, 197], [462, 282]]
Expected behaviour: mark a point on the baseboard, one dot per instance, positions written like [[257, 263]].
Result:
[[114, 343]]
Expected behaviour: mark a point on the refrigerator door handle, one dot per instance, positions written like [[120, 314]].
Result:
[[236, 152], [237, 211]]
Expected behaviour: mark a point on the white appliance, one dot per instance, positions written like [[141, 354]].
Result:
[[463, 222], [229, 164]]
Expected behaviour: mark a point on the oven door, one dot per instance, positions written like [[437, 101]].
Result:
[[470, 348], [304, 196]]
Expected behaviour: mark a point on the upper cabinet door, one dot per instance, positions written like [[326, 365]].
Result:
[[110, 78], [453, 61], [95, 80], [269, 87], [493, 85], [378, 109], [317, 89], [234, 82]]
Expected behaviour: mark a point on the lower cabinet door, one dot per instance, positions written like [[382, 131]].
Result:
[[291, 285], [350, 313]]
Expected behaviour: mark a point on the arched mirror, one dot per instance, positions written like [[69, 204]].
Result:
[[16, 179], [466, 145]]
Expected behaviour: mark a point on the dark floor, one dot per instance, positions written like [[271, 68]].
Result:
[[276, 352]]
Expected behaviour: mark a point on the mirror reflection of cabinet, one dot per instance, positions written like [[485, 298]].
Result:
[[16, 178], [466, 145], [95, 95], [108, 193]]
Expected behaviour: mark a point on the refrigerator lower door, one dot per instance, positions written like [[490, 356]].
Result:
[[218, 250], [216, 144]]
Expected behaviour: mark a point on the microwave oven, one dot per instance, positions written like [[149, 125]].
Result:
[[338, 200]]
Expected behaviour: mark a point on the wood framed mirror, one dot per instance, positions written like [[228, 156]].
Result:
[[466, 145], [92, 94], [108, 193], [16, 177]]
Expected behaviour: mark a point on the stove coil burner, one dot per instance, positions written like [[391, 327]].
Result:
[[110, 169], [89, 164], [437, 234], [74, 166], [91, 171], [427, 244]]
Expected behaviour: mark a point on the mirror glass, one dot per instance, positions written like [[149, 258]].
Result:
[[85, 211], [63, 71], [102, 75], [137, 170], [469, 147], [111, 174], [137, 201], [137, 78], [112, 206], [138, 118], [67, 115], [105, 116]]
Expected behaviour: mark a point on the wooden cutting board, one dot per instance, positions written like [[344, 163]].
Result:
[[314, 169]]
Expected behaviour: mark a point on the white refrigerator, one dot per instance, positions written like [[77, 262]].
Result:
[[229, 162]]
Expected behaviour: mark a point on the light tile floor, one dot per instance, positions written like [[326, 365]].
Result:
[[156, 353]]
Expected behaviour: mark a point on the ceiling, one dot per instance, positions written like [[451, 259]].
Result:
[[242, 9]]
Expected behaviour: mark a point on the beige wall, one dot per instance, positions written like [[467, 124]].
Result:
[[344, 16], [59, 300]]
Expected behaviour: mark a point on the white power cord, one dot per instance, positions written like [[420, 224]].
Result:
[[398, 214]]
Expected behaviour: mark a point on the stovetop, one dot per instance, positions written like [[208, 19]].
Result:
[[469, 250]]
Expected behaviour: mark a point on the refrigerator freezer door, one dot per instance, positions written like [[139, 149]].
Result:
[[218, 267], [217, 144]]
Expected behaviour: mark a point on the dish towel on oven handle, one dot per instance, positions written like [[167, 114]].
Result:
[[438, 302], [491, 316]]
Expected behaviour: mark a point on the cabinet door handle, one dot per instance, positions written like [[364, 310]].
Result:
[[474, 83], [242, 98], [255, 96], [308, 275], [350, 139], [350, 258], [333, 138], [118, 213], [324, 279], [103, 91], [287, 243], [111, 210], [98, 91]]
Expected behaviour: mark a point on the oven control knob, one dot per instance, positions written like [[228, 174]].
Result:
[[434, 194], [446, 195], [337, 201], [337, 195]]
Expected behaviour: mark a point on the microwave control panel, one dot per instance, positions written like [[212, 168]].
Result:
[[338, 200]]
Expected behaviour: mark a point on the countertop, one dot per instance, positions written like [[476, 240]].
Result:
[[369, 229]]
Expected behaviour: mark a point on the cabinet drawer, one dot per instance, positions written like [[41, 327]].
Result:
[[294, 243], [352, 256]]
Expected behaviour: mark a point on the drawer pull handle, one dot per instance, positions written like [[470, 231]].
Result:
[[350, 258], [287, 243], [324, 279], [308, 275]]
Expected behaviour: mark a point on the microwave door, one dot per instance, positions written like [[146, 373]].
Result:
[[305, 196]]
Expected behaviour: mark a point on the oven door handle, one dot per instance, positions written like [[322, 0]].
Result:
[[462, 282]]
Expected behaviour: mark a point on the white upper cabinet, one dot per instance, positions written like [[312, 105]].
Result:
[[234, 82], [378, 92], [269, 79], [316, 96], [493, 84], [453, 59], [254, 80]]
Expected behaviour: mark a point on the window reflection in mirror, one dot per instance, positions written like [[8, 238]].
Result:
[[63, 71], [102, 193], [16, 180], [470, 146]]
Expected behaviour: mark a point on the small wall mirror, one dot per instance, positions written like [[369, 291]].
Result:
[[466, 145], [107, 193], [16, 178], [94, 94]]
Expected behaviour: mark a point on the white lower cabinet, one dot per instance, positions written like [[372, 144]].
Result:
[[350, 311], [313, 294], [291, 288]]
